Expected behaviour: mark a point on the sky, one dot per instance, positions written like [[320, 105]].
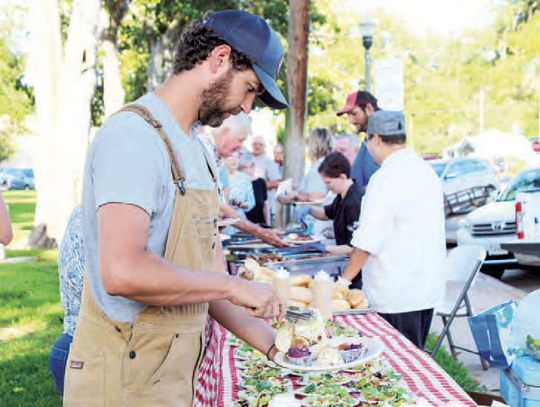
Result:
[[437, 16]]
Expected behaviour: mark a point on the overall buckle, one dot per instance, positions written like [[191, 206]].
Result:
[[181, 183]]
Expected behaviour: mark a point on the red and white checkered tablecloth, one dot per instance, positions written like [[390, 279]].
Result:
[[218, 376]]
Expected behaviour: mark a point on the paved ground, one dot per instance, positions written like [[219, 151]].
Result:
[[487, 292]]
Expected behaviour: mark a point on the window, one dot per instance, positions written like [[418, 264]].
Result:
[[525, 181]]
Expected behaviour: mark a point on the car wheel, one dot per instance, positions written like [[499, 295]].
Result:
[[494, 271]]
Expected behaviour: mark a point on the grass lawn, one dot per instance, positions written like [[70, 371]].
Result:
[[30, 315], [30, 319]]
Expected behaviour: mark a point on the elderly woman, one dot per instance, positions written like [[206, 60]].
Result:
[[241, 194], [312, 188]]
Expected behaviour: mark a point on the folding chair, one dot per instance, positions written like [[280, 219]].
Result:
[[462, 266]]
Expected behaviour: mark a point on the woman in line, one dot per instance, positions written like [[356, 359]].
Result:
[[335, 171], [312, 187], [70, 273], [240, 189]]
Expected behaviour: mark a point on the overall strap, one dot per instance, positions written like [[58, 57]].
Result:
[[178, 174], [210, 163]]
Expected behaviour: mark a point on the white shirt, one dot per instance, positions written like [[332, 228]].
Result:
[[402, 227]]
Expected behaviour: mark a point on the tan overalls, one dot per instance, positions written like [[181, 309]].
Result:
[[155, 361]]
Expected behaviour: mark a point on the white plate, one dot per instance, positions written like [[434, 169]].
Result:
[[312, 203], [314, 239], [226, 222], [374, 348]]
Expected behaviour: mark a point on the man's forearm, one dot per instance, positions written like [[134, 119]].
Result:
[[254, 331], [273, 184], [356, 262], [153, 280], [242, 224]]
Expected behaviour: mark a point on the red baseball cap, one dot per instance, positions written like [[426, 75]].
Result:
[[358, 98]]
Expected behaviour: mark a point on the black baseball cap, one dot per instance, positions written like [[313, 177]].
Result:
[[251, 35]]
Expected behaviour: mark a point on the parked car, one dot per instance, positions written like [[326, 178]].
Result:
[[459, 174], [17, 178], [495, 223]]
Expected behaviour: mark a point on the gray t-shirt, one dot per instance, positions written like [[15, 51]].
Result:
[[128, 163]]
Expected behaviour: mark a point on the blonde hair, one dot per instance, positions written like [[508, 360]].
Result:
[[319, 143]]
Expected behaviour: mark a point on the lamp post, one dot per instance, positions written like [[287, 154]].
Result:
[[367, 28]]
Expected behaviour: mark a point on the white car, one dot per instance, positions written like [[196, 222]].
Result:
[[459, 174], [495, 223]]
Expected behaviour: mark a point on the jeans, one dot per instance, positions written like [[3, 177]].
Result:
[[58, 358]]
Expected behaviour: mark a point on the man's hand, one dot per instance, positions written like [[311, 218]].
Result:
[[270, 236], [261, 300]]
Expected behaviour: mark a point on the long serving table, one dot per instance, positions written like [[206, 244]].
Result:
[[218, 374]]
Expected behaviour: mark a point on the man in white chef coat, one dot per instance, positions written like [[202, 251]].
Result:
[[400, 242]]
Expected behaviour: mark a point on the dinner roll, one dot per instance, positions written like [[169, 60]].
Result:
[[355, 296], [245, 273], [341, 288], [301, 280], [338, 294], [362, 305], [340, 305], [301, 294]]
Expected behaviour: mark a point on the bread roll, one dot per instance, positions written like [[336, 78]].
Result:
[[341, 288], [362, 305], [340, 305], [337, 294], [266, 271], [301, 294], [355, 296], [245, 273], [301, 280]]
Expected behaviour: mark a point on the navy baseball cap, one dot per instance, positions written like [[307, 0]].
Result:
[[251, 35], [386, 123]]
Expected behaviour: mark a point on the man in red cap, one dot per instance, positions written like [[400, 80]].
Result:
[[358, 106]]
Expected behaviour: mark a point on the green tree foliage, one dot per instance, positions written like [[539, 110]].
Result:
[[443, 75], [15, 99]]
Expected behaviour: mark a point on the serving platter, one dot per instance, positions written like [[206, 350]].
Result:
[[374, 347]]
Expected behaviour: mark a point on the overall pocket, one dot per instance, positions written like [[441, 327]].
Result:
[[204, 227], [85, 378], [172, 383]]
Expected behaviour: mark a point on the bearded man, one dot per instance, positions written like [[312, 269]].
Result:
[[150, 205], [358, 107]]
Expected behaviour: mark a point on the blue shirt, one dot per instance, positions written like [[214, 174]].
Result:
[[363, 167], [128, 163]]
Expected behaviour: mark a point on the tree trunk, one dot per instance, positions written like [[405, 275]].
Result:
[[297, 87], [161, 55], [64, 88], [113, 92]]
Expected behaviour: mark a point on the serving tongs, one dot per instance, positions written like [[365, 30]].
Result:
[[295, 313]]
